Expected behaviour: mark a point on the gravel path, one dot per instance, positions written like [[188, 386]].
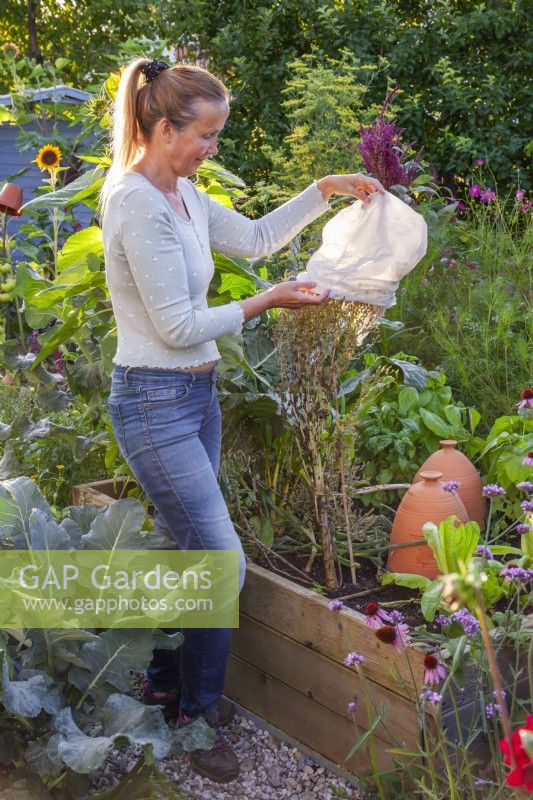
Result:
[[270, 769]]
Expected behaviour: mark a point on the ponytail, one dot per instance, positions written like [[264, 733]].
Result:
[[139, 105]]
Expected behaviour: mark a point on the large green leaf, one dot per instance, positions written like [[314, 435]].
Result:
[[431, 599], [79, 245], [46, 534], [238, 266], [55, 649], [84, 186], [117, 528], [27, 698], [435, 424], [406, 579], [78, 751], [123, 716], [18, 498]]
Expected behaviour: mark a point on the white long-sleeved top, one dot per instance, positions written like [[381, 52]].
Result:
[[159, 266]]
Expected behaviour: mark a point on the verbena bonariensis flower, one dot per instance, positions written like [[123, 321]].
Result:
[[493, 490], [523, 527], [525, 486], [485, 552], [382, 150], [522, 774], [528, 460], [491, 709], [513, 572], [527, 505], [526, 398], [430, 696], [376, 616], [336, 605], [467, 620], [443, 620], [352, 707], [396, 617], [353, 659], [434, 670], [396, 635], [450, 486]]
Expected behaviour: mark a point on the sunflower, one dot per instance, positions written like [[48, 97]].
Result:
[[48, 158]]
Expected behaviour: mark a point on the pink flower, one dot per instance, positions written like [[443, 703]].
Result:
[[488, 195], [475, 190], [528, 460], [396, 635], [434, 670], [526, 396], [478, 162], [520, 194], [471, 265], [376, 616]]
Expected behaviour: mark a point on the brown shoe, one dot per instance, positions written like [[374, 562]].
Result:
[[221, 714], [219, 764]]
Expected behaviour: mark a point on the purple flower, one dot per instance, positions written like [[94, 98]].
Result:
[[444, 260], [376, 616], [492, 709], [353, 659], [452, 263], [479, 161], [291, 278], [434, 670], [429, 696], [396, 617], [488, 195], [461, 206], [336, 605], [528, 460], [527, 505], [525, 486], [471, 265], [467, 620], [479, 782], [512, 572], [523, 528], [493, 490], [443, 620], [526, 206], [450, 486], [396, 635], [475, 190], [481, 550], [351, 707], [383, 152], [520, 194]]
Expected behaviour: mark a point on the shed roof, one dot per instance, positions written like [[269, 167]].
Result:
[[54, 94]]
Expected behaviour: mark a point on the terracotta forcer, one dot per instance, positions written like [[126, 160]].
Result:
[[455, 466], [424, 501]]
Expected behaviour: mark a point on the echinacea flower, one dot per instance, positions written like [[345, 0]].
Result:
[[528, 460], [526, 398], [48, 157], [353, 659], [450, 486], [430, 696], [336, 605], [522, 773], [525, 486], [395, 635], [475, 190], [523, 527], [527, 505], [376, 616], [434, 670], [468, 621], [493, 490]]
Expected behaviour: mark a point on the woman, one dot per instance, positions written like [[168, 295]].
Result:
[[158, 232]]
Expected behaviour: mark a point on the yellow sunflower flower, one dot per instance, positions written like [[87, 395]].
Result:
[[48, 158]]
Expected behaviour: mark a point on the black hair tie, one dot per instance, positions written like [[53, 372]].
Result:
[[152, 69]]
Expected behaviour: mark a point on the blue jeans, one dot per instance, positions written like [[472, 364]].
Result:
[[168, 427]]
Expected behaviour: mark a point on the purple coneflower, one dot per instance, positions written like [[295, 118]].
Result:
[[450, 486], [522, 527], [493, 490], [527, 505], [396, 635], [525, 486], [376, 616], [434, 670], [353, 659], [526, 398], [336, 605], [475, 190], [485, 552], [528, 460]]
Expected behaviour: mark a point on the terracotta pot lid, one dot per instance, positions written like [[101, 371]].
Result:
[[11, 199], [431, 475]]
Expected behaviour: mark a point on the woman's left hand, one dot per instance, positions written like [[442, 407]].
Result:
[[357, 185]]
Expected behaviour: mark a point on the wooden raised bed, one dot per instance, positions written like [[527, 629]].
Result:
[[286, 665]]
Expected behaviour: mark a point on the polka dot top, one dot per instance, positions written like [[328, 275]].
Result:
[[159, 266]]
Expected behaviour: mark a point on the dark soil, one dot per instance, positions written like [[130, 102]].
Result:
[[390, 597]]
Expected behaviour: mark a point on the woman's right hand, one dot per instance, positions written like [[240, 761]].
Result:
[[294, 294], [291, 294]]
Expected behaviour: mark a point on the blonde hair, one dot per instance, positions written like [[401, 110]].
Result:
[[139, 105]]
